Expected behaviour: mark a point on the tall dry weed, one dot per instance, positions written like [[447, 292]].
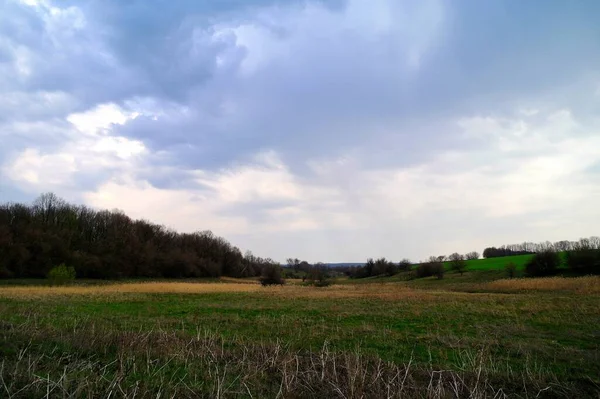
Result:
[[579, 285], [382, 291], [88, 361]]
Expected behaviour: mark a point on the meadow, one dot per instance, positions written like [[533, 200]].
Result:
[[464, 336], [496, 263]]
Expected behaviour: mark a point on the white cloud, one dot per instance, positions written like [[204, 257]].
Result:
[[401, 203], [41, 171], [100, 118], [185, 210], [279, 199], [88, 148], [372, 129], [541, 172], [324, 38]]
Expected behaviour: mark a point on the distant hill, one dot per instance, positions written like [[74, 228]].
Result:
[[344, 264]]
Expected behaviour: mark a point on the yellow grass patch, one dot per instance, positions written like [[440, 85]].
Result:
[[385, 291], [581, 285], [128, 288], [382, 291], [392, 291]]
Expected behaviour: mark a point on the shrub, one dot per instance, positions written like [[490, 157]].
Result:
[[318, 276], [5, 273], [61, 274], [511, 269], [439, 271], [457, 263], [373, 268], [391, 269], [584, 260], [292, 274], [209, 268], [271, 275], [405, 265], [429, 269], [543, 264], [383, 267], [322, 283]]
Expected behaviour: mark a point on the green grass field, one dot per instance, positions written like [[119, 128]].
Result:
[[462, 336], [500, 263], [496, 263]]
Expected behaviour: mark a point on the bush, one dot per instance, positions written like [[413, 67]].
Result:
[[383, 267], [511, 269], [61, 274], [405, 265], [318, 276], [209, 268], [584, 261], [439, 271], [372, 268], [457, 263], [292, 274], [271, 275], [429, 269], [5, 273], [543, 264], [322, 283], [390, 269]]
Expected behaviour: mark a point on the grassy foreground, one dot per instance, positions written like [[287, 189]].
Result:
[[505, 338]]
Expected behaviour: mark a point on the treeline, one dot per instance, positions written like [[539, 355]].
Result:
[[580, 257], [527, 248], [378, 267], [433, 266], [108, 244], [318, 273]]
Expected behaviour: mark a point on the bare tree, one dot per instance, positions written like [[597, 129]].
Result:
[[472, 255], [293, 263], [109, 244], [561, 246], [405, 265], [457, 263], [432, 267], [511, 269]]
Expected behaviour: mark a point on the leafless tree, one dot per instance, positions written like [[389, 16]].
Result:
[[293, 263], [108, 244], [405, 265], [561, 246], [457, 263]]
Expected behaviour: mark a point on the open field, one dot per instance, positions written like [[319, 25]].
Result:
[[520, 338], [496, 263], [500, 263]]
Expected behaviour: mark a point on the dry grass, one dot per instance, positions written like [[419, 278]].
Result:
[[385, 291], [127, 288], [93, 362], [390, 291], [580, 285], [254, 341]]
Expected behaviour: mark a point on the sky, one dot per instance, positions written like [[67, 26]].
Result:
[[328, 130]]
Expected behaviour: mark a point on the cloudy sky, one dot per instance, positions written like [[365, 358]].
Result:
[[329, 130]]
